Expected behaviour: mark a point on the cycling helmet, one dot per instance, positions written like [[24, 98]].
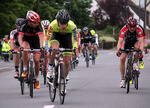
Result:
[[19, 21], [33, 17], [79, 30], [92, 32], [63, 16], [45, 23], [132, 21], [85, 29]]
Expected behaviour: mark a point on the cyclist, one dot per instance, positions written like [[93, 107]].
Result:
[[45, 24], [14, 45], [131, 36], [94, 42], [31, 36], [46, 44], [61, 31], [86, 37]]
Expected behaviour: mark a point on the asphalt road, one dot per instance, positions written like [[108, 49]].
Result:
[[93, 87]]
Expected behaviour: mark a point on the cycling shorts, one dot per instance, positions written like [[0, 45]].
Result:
[[64, 40], [33, 41]]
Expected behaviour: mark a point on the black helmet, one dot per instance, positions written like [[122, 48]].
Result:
[[85, 29], [19, 21], [63, 16]]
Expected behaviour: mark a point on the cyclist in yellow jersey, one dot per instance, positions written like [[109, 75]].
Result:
[[62, 33]]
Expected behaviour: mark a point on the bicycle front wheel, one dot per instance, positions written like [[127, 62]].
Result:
[[136, 81], [21, 78], [62, 84], [52, 90], [31, 79], [93, 57]]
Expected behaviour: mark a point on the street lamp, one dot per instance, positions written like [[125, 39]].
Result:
[[65, 3]]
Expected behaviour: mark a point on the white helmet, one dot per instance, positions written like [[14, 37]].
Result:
[[45, 23]]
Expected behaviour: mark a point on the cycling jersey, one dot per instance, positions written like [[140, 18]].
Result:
[[86, 38], [14, 37], [130, 38], [30, 34], [54, 31], [45, 43]]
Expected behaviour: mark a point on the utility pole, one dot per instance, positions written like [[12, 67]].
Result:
[[145, 17]]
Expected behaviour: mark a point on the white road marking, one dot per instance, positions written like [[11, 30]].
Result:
[[49, 106]]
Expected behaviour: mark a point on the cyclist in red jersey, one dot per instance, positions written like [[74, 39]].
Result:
[[131, 36], [14, 45], [31, 36]]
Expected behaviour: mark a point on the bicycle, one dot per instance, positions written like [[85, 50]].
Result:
[[58, 80], [87, 59], [30, 79], [130, 73], [20, 78], [73, 62]]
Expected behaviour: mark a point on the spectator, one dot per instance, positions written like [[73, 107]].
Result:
[[6, 48]]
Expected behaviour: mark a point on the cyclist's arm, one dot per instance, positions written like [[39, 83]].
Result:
[[141, 43], [41, 35], [119, 43], [20, 38], [12, 40]]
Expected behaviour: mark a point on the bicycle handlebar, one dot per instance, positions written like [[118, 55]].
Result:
[[61, 49]]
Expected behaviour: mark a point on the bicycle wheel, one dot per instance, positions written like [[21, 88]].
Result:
[[21, 78], [87, 58], [44, 69], [136, 81], [128, 71], [31, 78], [52, 89], [93, 57], [62, 84]]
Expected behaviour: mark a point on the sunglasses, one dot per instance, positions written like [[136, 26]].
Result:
[[132, 27], [33, 23]]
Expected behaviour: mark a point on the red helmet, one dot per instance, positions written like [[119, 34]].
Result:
[[132, 21], [33, 16]]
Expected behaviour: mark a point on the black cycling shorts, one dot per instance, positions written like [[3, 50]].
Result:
[[64, 39], [33, 41]]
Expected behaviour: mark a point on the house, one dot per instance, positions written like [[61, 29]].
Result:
[[139, 11]]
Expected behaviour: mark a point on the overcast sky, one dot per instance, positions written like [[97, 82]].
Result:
[[94, 6]]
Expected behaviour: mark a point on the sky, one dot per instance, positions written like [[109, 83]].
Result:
[[94, 6]]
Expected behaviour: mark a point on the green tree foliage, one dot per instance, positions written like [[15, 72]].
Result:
[[47, 9]]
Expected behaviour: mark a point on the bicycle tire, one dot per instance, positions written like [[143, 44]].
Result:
[[128, 72], [62, 85], [44, 70], [93, 57], [136, 81], [87, 57], [31, 78], [128, 85], [21, 78], [52, 89]]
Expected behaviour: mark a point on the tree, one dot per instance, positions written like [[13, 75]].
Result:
[[110, 12]]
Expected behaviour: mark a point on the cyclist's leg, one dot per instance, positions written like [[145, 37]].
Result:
[[16, 62], [122, 64], [37, 56], [24, 57], [67, 59], [83, 49], [137, 47]]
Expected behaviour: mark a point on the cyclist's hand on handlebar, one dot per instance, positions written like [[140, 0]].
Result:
[[118, 53], [42, 48], [11, 50], [21, 48]]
